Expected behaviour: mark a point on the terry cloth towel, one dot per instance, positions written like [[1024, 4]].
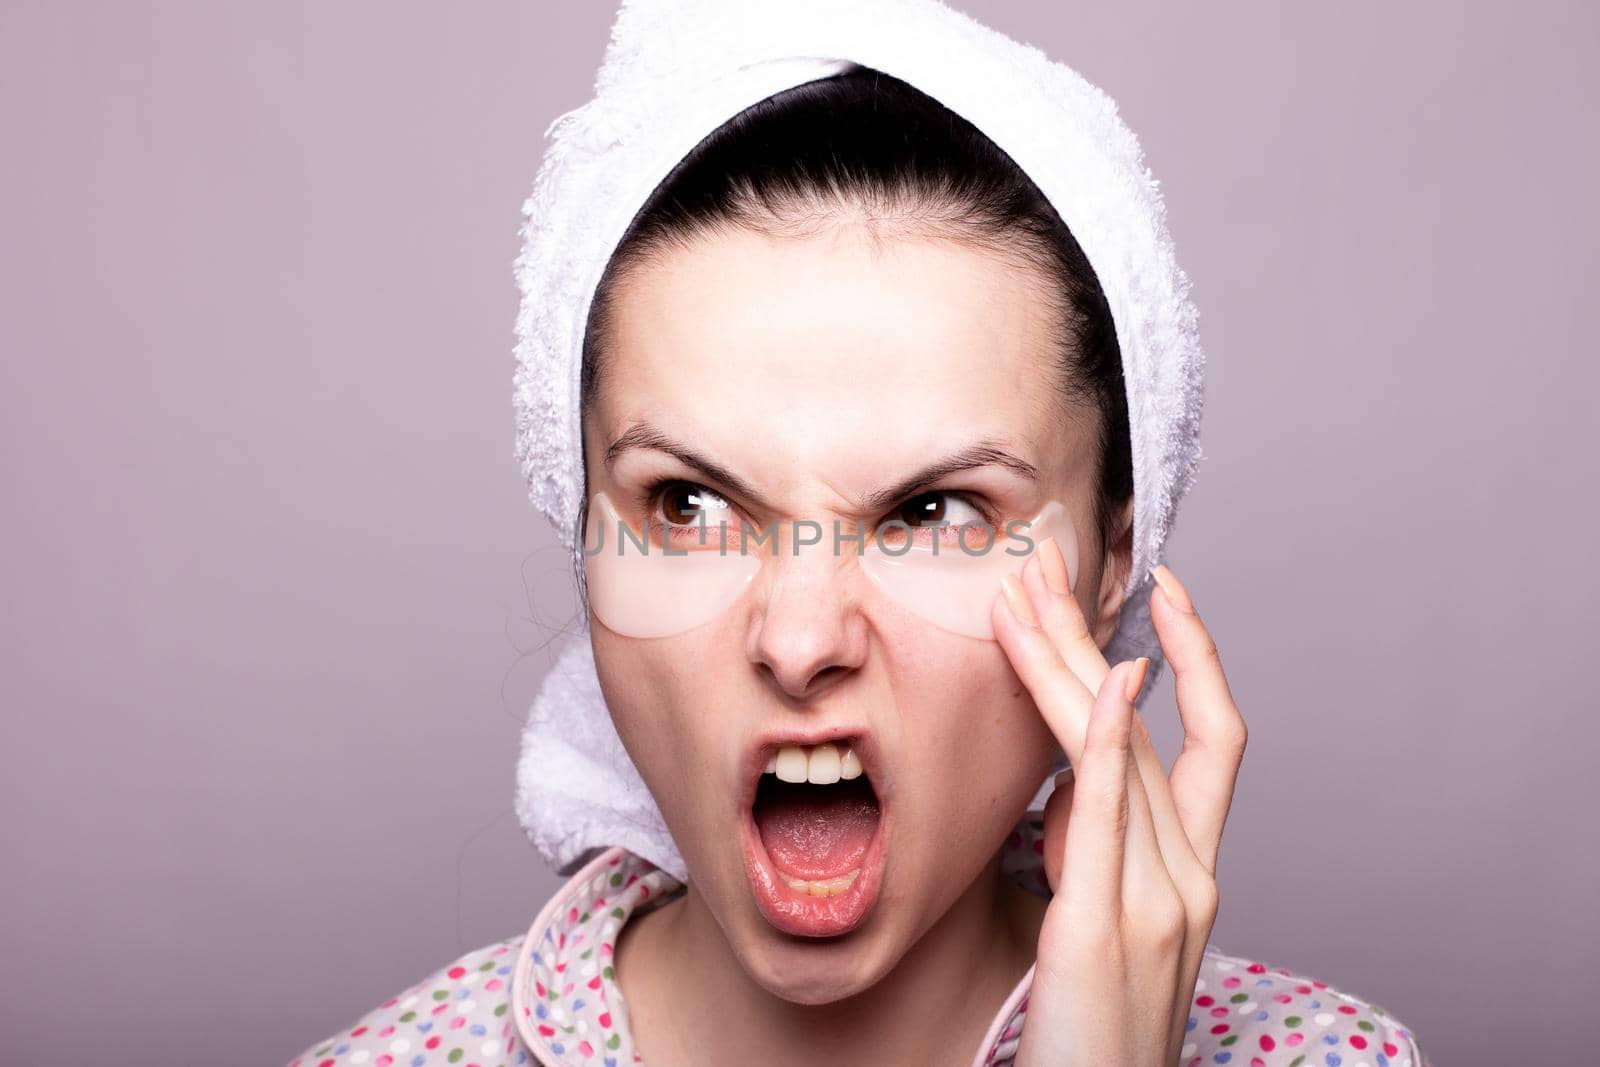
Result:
[[673, 72]]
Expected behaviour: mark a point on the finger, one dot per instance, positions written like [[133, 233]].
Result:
[[1144, 868], [1057, 814], [1177, 851], [1092, 865], [1061, 698], [1061, 618], [1143, 865], [1153, 911], [1044, 576], [1206, 770]]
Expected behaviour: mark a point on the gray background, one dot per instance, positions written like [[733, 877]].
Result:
[[273, 601]]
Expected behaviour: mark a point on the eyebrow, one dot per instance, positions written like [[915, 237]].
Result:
[[983, 453]]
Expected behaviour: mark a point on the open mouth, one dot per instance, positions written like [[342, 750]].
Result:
[[814, 838]]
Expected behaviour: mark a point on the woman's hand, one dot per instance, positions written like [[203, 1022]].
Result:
[[1130, 856]]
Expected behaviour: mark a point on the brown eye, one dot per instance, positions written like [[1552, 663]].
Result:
[[928, 508], [922, 515], [687, 504]]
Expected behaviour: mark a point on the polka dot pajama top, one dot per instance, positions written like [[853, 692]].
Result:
[[550, 996]]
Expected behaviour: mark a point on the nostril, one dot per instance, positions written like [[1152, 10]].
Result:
[[825, 676], [807, 687]]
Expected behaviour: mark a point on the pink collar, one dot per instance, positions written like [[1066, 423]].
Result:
[[564, 993]]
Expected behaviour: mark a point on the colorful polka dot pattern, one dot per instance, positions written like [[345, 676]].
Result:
[[567, 1003], [551, 997], [460, 1015]]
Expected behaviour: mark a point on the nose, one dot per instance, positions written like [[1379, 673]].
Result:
[[808, 632]]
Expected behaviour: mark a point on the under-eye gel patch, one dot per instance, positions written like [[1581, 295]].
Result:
[[659, 580], [951, 575], [642, 587]]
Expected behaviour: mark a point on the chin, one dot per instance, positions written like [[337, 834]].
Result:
[[809, 972]]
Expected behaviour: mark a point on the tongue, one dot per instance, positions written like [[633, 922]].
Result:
[[816, 831]]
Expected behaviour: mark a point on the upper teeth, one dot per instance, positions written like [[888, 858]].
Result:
[[817, 764]]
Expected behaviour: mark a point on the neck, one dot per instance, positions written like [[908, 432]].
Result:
[[933, 1007]]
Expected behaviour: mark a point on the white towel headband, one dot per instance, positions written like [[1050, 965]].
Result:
[[673, 72]]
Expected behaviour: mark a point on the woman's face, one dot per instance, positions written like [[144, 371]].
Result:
[[817, 371]]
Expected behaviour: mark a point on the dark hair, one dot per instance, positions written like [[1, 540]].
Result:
[[865, 139]]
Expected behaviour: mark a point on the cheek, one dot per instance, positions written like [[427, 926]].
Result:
[[650, 695], [965, 717]]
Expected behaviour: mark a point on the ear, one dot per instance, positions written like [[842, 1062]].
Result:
[[1114, 574]]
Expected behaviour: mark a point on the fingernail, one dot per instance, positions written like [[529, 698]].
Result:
[[1054, 565], [1017, 597], [1134, 680], [1174, 591]]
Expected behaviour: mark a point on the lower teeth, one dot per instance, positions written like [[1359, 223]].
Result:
[[821, 887]]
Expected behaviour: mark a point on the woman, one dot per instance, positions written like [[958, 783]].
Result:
[[795, 789]]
